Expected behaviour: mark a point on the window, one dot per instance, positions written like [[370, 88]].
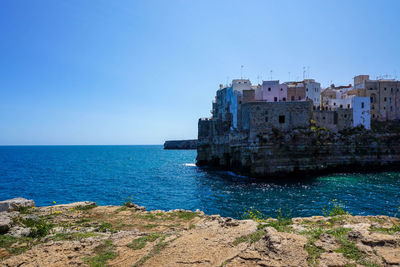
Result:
[[370, 89], [341, 106], [284, 99], [266, 113], [372, 99], [390, 100], [391, 108], [281, 119], [384, 88], [373, 115], [384, 99], [323, 118], [269, 89], [372, 107], [275, 99], [362, 104], [266, 119], [348, 105], [345, 115], [299, 97], [292, 98], [334, 103], [281, 89], [306, 89], [391, 90]]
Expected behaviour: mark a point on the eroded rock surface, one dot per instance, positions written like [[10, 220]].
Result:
[[83, 234]]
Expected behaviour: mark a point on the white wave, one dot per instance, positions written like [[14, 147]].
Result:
[[190, 164]]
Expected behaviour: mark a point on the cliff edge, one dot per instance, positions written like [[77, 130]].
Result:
[[83, 234], [181, 144]]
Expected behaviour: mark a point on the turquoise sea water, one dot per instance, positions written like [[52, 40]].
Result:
[[168, 179]]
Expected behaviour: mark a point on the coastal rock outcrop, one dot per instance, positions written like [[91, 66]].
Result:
[[81, 234], [16, 203]]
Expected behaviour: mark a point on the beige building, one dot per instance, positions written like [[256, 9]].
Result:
[[384, 96]]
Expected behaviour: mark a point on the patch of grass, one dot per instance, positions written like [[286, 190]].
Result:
[[349, 250], [192, 226], [279, 225], [369, 263], [25, 210], [340, 232], [156, 249], [83, 220], [250, 238], [314, 253], [87, 207], [140, 242], [105, 226], [392, 230], [104, 252], [184, 215], [377, 220], [151, 217], [339, 219], [150, 226], [123, 208], [39, 227], [73, 236], [8, 241]]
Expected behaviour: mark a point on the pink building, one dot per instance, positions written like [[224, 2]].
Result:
[[272, 91]]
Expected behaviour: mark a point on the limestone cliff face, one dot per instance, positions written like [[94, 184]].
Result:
[[180, 144], [299, 151]]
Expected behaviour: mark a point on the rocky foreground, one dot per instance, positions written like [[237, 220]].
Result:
[[83, 234]]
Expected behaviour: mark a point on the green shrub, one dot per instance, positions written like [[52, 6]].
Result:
[[334, 208], [39, 227]]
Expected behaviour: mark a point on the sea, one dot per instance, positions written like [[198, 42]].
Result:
[[169, 179]]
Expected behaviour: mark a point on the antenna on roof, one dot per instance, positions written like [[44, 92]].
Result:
[[270, 72], [289, 75], [304, 73], [241, 72], [258, 79], [308, 70]]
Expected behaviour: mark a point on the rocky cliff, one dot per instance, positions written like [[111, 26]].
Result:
[[180, 144], [312, 150], [83, 234]]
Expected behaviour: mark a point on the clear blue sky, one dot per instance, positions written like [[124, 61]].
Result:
[[140, 72]]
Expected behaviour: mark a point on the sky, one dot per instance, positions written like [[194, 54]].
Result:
[[81, 72]]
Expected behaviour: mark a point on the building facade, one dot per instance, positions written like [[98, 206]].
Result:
[[384, 96]]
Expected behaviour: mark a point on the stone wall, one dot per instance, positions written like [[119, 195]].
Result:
[[301, 151], [261, 117], [334, 120]]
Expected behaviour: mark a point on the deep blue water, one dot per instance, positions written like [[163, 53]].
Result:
[[168, 179]]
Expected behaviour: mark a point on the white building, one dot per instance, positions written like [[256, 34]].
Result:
[[360, 105], [313, 91], [271, 91]]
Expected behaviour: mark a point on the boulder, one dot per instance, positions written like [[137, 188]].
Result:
[[327, 242], [15, 204], [332, 260], [5, 223], [136, 207], [18, 231]]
